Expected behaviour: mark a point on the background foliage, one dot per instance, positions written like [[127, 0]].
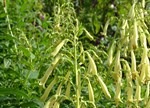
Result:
[[30, 30]]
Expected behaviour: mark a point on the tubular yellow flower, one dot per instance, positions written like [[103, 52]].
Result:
[[49, 71], [117, 62], [88, 34], [132, 12], [50, 102], [91, 93], [105, 27], [127, 68], [143, 73], [123, 29], [59, 89], [125, 22], [48, 89], [104, 87], [144, 56], [117, 68], [141, 14], [110, 53], [143, 3], [147, 93], [58, 92], [147, 70], [133, 65], [92, 64], [144, 65], [130, 94], [67, 76], [129, 77], [134, 38], [57, 49], [118, 92], [137, 97], [67, 93], [56, 105], [148, 73], [142, 38]]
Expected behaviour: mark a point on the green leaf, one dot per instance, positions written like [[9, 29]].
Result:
[[32, 55], [33, 104], [34, 75], [7, 37], [7, 63], [2, 15], [8, 91], [97, 26], [25, 51]]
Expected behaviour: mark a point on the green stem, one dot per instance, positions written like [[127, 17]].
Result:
[[76, 72], [8, 21]]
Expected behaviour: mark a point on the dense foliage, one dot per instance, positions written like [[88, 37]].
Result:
[[74, 53]]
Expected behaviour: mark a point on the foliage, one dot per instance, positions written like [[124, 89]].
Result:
[[20, 51], [75, 69], [75, 53]]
